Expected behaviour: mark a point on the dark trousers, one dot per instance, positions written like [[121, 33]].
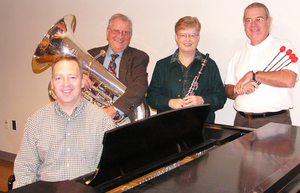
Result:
[[242, 121]]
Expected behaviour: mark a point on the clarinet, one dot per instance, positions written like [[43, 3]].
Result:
[[195, 82]]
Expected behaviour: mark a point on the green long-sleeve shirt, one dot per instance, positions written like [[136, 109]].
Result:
[[167, 80]]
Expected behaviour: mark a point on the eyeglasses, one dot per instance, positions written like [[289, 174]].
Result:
[[117, 32], [256, 20], [191, 36]]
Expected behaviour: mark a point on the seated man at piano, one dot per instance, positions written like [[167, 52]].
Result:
[[170, 87], [63, 140]]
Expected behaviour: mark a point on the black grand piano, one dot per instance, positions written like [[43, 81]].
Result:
[[176, 151]]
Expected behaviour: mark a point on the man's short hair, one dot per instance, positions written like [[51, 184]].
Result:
[[120, 16], [187, 22], [256, 4], [70, 58]]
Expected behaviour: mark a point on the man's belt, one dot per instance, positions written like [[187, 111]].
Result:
[[260, 115]]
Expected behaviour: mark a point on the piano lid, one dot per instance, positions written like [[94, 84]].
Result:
[[145, 145]]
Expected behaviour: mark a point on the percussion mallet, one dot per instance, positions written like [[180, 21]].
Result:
[[282, 49], [290, 58], [294, 59], [288, 52]]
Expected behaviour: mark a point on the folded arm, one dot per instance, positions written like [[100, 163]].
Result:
[[246, 85]]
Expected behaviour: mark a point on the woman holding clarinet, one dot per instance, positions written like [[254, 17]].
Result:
[[187, 77]]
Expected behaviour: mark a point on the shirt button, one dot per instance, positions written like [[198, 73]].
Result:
[[179, 80], [68, 165], [68, 133], [178, 96], [68, 149]]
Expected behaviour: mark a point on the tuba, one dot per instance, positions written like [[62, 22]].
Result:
[[60, 40]]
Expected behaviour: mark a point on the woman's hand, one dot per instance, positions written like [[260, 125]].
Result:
[[176, 103], [192, 101]]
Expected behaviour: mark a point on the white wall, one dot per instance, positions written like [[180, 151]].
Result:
[[23, 24]]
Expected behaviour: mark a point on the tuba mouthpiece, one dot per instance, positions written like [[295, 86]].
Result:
[[102, 53]]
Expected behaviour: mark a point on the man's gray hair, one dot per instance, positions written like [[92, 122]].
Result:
[[257, 4], [120, 16]]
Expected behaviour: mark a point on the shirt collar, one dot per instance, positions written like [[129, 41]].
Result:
[[78, 109], [110, 52], [262, 45], [175, 57]]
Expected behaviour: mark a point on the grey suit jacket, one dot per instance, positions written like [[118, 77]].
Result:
[[132, 73]]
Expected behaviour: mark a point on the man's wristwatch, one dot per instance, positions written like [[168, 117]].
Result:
[[253, 77]]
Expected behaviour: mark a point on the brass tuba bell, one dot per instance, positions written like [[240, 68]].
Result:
[[60, 40]]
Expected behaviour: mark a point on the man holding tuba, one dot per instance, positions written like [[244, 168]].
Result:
[[126, 63]]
